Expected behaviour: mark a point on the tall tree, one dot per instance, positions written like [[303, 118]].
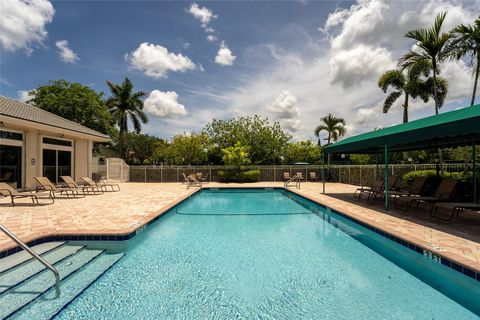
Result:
[[335, 128], [466, 42], [75, 102], [264, 140], [432, 46], [125, 104]]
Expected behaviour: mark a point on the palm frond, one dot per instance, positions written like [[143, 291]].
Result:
[[390, 100], [393, 78]]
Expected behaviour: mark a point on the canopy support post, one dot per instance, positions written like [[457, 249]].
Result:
[[323, 172], [474, 173], [386, 178]]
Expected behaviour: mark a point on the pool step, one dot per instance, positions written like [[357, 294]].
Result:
[[18, 296], [47, 307], [24, 271], [20, 257]]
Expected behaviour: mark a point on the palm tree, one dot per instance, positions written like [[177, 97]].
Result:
[[335, 128], [433, 47], [466, 42], [412, 85], [125, 104]]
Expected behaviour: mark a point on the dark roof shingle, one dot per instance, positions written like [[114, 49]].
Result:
[[24, 111]]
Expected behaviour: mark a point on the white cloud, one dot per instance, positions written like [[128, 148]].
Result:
[[209, 29], [164, 104], [367, 115], [66, 54], [284, 108], [224, 55], [203, 14], [339, 75], [211, 38], [23, 23], [362, 63], [24, 95], [155, 61]]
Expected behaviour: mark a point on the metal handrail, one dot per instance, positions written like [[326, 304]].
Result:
[[36, 256], [294, 178]]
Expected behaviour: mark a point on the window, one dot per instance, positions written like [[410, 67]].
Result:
[[11, 135], [57, 142]]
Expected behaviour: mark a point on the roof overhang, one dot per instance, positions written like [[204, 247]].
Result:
[[8, 120]]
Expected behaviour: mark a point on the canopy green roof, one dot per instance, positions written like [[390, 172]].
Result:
[[455, 128]]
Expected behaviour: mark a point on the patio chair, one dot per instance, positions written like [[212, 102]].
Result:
[[70, 183], [286, 176], [45, 184], [101, 184], [415, 189], [299, 176], [443, 193], [7, 191], [392, 182], [199, 176], [378, 184], [456, 207], [191, 181], [312, 176]]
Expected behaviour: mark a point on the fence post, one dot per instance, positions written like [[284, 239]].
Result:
[[349, 179], [108, 165], [121, 171], [145, 174], [161, 173], [274, 176], [177, 173], [361, 175], [210, 173]]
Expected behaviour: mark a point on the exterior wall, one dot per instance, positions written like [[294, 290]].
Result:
[[33, 152], [81, 159]]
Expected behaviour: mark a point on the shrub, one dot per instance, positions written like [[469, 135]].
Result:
[[226, 176], [410, 176], [247, 176]]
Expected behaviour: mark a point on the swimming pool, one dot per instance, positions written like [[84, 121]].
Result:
[[270, 254]]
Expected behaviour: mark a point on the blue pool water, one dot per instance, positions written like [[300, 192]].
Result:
[[267, 254]]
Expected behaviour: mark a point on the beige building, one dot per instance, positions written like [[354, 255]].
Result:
[[34, 142]]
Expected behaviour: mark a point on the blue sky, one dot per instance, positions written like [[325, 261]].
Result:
[[291, 61]]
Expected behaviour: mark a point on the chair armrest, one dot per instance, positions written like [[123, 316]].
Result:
[[9, 192]]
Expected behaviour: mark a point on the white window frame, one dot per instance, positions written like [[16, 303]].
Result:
[[57, 147]]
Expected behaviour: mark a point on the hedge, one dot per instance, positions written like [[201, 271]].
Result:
[[247, 176]]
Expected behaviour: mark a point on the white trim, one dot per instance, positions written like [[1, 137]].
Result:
[[11, 142]]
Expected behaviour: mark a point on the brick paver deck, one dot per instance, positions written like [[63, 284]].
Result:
[[137, 203]]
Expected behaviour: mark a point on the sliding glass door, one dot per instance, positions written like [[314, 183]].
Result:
[[11, 165], [57, 158], [11, 158]]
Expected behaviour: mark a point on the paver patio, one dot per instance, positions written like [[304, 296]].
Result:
[[118, 213]]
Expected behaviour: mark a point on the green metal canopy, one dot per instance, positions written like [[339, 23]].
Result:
[[455, 128]]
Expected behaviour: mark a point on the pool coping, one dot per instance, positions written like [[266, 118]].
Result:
[[109, 236], [448, 259]]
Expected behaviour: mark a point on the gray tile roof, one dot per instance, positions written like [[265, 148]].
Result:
[[24, 111]]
